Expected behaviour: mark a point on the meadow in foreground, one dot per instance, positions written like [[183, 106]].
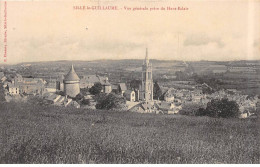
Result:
[[31, 133]]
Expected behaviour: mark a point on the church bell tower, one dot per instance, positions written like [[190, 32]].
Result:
[[146, 93]]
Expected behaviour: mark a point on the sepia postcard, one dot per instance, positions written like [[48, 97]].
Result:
[[130, 82]]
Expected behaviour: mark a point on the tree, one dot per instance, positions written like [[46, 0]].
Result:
[[96, 88], [222, 108], [110, 102], [157, 92], [134, 84], [84, 91], [79, 97], [2, 95]]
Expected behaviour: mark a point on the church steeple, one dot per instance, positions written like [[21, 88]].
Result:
[[147, 80], [146, 57]]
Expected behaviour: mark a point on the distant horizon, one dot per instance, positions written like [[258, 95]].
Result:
[[4, 64]]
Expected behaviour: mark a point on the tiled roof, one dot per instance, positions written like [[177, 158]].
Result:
[[122, 86]]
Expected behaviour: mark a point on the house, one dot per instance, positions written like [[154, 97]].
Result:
[[106, 86], [168, 107], [60, 84], [122, 88], [60, 100], [6, 83], [2, 74], [89, 80], [144, 107], [67, 101], [129, 95], [53, 98], [74, 104], [169, 95], [2, 77], [29, 85], [13, 90]]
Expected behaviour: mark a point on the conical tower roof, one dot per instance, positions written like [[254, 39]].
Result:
[[71, 76]]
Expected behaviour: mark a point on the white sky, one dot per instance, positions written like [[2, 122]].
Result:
[[212, 30]]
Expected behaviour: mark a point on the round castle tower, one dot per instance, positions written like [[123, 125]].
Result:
[[71, 83]]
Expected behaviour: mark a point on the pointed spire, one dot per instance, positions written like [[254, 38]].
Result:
[[146, 57], [72, 68]]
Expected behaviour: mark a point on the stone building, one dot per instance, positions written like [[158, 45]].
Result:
[[129, 95], [146, 93], [71, 83]]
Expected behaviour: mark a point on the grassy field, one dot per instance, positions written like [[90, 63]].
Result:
[[31, 133]]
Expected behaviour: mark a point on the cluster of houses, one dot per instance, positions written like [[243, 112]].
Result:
[[18, 87], [247, 105], [64, 90], [23, 86]]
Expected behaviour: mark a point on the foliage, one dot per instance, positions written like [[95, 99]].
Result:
[[85, 102], [214, 83], [2, 95], [84, 91], [62, 93], [207, 90], [157, 92], [111, 101], [47, 134], [96, 88], [190, 109], [134, 84], [222, 108], [201, 112], [79, 97], [81, 100]]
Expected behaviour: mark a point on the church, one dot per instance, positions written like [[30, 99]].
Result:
[[146, 103]]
